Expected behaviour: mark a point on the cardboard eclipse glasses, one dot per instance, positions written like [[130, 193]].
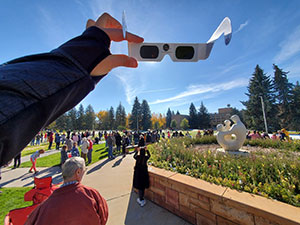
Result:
[[180, 52]]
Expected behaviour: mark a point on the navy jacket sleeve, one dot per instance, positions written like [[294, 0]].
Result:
[[35, 90]]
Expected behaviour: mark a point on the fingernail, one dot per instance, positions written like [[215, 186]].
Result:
[[133, 62]]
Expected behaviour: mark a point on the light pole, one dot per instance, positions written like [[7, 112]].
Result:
[[264, 115]]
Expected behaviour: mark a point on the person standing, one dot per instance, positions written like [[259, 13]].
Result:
[[90, 151], [118, 142], [72, 203], [84, 148], [50, 139], [74, 150], [109, 141], [17, 161], [33, 159], [141, 176], [63, 154], [69, 143], [57, 140]]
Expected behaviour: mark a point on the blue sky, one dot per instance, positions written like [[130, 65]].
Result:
[[264, 32]]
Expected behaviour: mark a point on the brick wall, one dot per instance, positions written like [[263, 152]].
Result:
[[203, 203]]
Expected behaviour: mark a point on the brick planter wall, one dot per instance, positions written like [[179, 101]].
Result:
[[203, 203]]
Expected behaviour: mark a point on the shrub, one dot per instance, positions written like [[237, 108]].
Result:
[[275, 175]]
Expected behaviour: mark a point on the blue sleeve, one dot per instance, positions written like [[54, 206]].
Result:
[[35, 90]]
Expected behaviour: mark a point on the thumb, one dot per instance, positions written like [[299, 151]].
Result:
[[113, 61]]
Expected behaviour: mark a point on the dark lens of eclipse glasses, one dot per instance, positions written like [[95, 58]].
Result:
[[184, 52], [149, 52]]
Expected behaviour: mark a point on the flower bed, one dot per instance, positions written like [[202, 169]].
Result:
[[275, 174]]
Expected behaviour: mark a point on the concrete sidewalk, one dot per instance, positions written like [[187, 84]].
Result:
[[113, 179]]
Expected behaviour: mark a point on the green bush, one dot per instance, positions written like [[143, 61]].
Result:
[[275, 175]]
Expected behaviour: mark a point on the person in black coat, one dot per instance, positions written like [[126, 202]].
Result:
[[141, 176]]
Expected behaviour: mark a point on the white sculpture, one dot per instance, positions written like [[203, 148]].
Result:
[[231, 138]]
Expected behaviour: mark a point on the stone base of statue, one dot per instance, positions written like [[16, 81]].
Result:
[[240, 152]]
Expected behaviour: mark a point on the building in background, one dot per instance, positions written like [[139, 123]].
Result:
[[223, 114]]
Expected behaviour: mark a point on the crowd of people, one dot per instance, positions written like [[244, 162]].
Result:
[[281, 135]]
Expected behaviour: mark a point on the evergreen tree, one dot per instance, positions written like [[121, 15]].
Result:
[[177, 113], [72, 114], [168, 118], [80, 122], [260, 85], [120, 117], [235, 111], [204, 118], [62, 122], [145, 116], [173, 124], [135, 118], [283, 94], [184, 124], [193, 119], [111, 118], [295, 109], [89, 118]]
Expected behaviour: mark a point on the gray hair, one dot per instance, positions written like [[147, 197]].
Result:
[[71, 165]]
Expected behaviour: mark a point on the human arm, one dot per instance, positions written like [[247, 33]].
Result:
[[35, 90]]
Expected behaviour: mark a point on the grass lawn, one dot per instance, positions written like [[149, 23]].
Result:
[[99, 152], [12, 198]]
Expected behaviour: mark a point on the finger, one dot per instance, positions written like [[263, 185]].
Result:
[[117, 35], [90, 23], [107, 21], [113, 61]]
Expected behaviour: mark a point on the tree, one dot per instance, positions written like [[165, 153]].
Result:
[[89, 118], [177, 113], [295, 109], [120, 117], [135, 118], [80, 122], [168, 118], [235, 111], [193, 119], [62, 122], [111, 118], [173, 124], [145, 116], [283, 90], [260, 86], [204, 119], [184, 124], [158, 121], [103, 120], [72, 114]]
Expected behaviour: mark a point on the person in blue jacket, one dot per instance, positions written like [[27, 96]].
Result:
[[36, 89]]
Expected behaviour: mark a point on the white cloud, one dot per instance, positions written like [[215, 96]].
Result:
[[289, 47], [202, 89], [242, 26]]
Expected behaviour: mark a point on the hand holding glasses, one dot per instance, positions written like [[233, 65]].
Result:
[[179, 52]]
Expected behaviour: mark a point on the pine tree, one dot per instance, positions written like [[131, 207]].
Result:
[[111, 118], [168, 118], [260, 86], [204, 118], [145, 116], [61, 122], [120, 117], [295, 109], [80, 122], [193, 119], [89, 118], [72, 114], [283, 90], [135, 118], [177, 113], [235, 111]]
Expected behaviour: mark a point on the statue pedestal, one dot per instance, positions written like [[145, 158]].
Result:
[[240, 152]]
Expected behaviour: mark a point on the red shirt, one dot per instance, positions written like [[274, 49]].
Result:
[[90, 144], [73, 204]]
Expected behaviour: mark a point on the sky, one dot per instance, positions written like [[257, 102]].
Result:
[[264, 32]]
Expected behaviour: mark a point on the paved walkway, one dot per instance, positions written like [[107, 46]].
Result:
[[113, 179]]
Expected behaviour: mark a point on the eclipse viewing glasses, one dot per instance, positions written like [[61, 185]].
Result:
[[179, 52]]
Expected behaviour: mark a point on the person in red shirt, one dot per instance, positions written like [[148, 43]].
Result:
[[71, 195]]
